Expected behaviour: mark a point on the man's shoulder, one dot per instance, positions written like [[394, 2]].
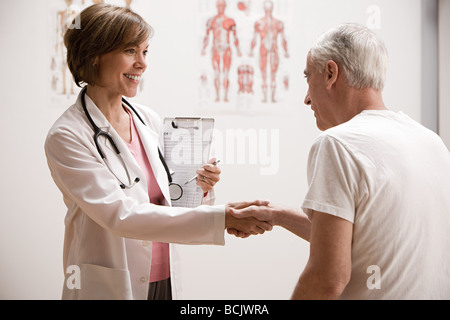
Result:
[[354, 127]]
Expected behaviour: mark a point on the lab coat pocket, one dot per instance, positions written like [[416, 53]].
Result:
[[101, 283]]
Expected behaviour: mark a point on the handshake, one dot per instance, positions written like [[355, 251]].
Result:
[[243, 219]]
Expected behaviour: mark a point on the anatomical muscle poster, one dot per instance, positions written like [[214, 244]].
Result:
[[243, 54]]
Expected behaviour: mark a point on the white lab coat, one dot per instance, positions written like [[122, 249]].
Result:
[[109, 231]]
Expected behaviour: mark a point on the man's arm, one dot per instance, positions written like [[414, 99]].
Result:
[[328, 270], [291, 219], [294, 220]]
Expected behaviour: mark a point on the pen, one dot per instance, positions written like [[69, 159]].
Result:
[[195, 177]]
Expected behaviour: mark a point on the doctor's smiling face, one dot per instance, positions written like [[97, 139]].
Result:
[[109, 49], [120, 71]]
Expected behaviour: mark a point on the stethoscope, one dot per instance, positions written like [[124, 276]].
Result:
[[175, 190]]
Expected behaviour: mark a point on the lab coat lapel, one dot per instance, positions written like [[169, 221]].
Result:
[[150, 140], [131, 163], [96, 115]]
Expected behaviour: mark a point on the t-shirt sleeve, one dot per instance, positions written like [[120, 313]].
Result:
[[333, 178]]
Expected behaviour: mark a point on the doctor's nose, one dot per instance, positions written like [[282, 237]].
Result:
[[141, 62]]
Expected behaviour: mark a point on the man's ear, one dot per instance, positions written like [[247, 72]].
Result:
[[331, 72]]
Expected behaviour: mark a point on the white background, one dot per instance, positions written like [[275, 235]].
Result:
[[264, 267]]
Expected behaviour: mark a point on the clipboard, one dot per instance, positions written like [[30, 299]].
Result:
[[187, 144]]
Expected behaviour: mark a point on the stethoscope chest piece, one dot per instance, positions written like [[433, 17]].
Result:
[[176, 191]]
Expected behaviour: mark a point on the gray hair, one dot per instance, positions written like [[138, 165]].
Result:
[[359, 51]]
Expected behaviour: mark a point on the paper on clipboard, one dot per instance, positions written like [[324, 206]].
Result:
[[187, 143]]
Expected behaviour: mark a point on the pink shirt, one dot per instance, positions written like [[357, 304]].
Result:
[[160, 269]]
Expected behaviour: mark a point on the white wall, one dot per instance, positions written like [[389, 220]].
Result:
[[444, 70], [430, 64], [31, 229], [264, 267]]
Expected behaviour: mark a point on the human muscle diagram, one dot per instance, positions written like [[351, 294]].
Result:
[[244, 56], [240, 58], [268, 30], [221, 26]]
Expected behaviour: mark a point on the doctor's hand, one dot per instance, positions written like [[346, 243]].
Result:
[[241, 226], [208, 175]]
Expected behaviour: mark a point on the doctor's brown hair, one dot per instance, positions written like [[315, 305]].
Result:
[[104, 28]]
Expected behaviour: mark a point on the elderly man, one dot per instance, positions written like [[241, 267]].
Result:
[[377, 212]]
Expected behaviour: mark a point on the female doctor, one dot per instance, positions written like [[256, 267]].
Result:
[[105, 156]]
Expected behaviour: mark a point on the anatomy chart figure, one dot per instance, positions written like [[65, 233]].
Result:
[[221, 27], [269, 29], [245, 79], [64, 20], [128, 3]]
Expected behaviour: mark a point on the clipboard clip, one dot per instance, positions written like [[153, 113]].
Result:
[[187, 123]]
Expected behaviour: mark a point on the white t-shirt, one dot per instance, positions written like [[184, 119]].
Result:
[[390, 177]]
